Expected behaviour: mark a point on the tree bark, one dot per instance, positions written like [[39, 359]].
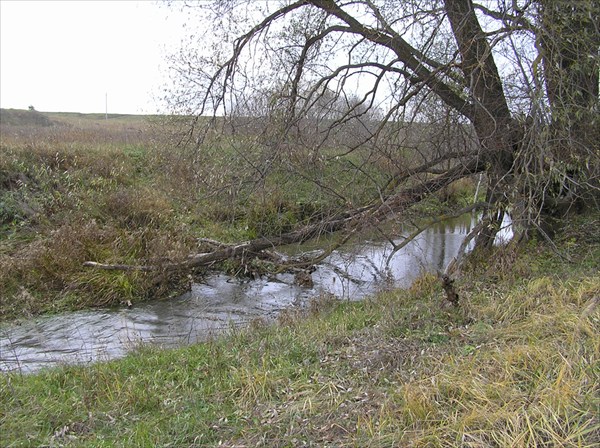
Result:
[[492, 120]]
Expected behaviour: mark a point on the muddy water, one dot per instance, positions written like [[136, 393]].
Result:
[[221, 302]]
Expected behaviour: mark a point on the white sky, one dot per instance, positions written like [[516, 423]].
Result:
[[67, 56]]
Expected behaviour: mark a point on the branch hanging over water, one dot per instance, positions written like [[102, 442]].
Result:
[[349, 223], [454, 265]]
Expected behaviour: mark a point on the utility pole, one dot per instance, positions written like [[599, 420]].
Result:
[[106, 106]]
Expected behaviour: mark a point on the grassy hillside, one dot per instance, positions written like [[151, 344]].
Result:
[[17, 117], [80, 187], [34, 118], [516, 365]]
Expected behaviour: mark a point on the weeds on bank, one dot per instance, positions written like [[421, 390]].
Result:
[[516, 365], [71, 194]]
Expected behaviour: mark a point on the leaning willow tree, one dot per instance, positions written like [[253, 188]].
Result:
[[430, 91]]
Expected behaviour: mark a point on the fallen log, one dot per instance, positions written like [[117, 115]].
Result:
[[349, 223]]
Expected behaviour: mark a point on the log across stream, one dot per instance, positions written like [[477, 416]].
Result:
[[351, 273]]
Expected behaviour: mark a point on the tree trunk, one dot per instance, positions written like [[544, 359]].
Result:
[[491, 120]]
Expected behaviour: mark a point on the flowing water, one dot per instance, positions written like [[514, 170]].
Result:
[[221, 302]]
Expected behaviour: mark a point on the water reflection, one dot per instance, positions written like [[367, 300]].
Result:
[[352, 273]]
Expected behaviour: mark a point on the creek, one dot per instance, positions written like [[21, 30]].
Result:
[[221, 302]]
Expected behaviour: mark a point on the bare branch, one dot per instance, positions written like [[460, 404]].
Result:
[[405, 52]]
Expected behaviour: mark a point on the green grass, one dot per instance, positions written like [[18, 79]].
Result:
[[518, 364]]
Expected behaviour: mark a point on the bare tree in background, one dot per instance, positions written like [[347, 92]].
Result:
[[434, 90]]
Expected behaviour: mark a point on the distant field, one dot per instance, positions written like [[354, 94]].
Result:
[[20, 117]]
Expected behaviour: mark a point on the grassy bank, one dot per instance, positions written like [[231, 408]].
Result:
[[517, 364], [79, 187]]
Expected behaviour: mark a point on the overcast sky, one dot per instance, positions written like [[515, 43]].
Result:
[[68, 56]]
